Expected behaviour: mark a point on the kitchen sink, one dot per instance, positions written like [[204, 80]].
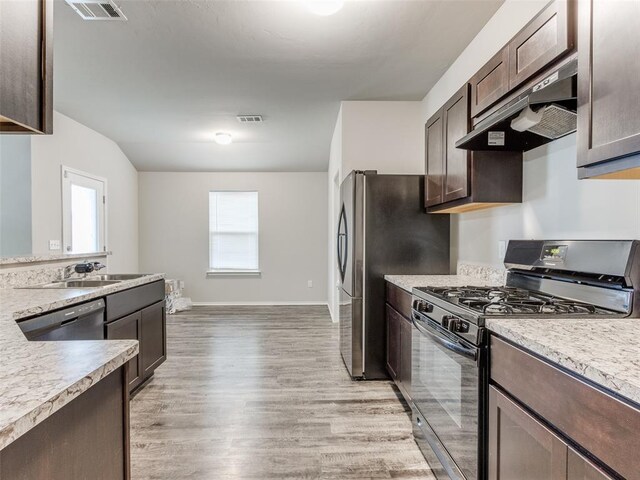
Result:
[[77, 284], [117, 276]]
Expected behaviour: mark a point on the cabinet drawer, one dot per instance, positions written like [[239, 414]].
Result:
[[129, 301], [600, 423], [547, 37], [399, 299], [491, 82]]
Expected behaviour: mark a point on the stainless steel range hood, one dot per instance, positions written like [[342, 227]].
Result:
[[539, 115]]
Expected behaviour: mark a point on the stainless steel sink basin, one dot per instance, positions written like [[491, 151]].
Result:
[[117, 276], [77, 284]]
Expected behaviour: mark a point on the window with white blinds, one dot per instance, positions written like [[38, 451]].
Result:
[[233, 231]]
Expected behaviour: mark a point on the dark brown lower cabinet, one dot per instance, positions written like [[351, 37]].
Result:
[[579, 468], [128, 328], [393, 342], [154, 337], [404, 375], [399, 350], [521, 447], [139, 314], [86, 439], [538, 413]]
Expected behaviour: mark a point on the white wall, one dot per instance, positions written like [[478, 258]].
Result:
[[555, 203], [383, 136], [174, 222], [333, 188], [77, 146], [15, 195], [369, 135]]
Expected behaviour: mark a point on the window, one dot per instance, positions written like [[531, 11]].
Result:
[[233, 232], [83, 212]]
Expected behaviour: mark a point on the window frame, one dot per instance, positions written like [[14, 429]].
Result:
[[213, 272], [67, 174]]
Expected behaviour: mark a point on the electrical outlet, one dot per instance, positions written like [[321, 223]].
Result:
[[309, 283], [54, 244], [502, 249]]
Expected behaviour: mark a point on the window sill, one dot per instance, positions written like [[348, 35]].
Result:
[[233, 273]]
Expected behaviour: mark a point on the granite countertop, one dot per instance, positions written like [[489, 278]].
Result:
[[50, 257], [38, 378], [604, 351], [408, 282]]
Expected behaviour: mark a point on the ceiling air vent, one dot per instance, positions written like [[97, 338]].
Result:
[[249, 118], [97, 9]]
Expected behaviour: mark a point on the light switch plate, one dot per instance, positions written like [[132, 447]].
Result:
[[309, 283], [54, 244]]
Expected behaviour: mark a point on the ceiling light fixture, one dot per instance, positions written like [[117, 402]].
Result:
[[222, 138], [324, 7]]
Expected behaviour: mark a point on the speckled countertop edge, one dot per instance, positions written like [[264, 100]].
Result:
[[45, 258], [39, 378]]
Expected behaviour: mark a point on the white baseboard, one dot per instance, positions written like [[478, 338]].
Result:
[[257, 304]]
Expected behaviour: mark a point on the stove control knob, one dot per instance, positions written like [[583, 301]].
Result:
[[422, 307], [457, 325]]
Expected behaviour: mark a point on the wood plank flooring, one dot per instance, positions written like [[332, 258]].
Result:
[[262, 393]]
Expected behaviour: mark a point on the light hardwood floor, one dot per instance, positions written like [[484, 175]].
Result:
[[262, 393]]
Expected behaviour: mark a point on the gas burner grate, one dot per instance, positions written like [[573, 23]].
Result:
[[511, 301]]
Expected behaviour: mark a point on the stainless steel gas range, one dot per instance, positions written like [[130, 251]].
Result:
[[599, 279]]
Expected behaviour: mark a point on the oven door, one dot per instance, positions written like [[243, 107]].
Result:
[[448, 376]]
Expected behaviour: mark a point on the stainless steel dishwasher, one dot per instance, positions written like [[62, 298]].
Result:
[[80, 322]]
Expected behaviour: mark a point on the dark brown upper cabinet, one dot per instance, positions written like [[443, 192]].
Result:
[[458, 180], [491, 83], [550, 36], [456, 123], [547, 37], [434, 158], [26, 66], [608, 89]]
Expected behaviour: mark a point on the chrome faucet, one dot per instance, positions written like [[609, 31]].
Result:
[[84, 268]]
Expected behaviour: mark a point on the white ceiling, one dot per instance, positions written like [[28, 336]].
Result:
[[162, 83]]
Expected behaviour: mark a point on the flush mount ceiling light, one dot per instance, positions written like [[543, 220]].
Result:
[[223, 138], [324, 7]]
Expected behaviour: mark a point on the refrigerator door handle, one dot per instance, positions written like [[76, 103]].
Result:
[[342, 243]]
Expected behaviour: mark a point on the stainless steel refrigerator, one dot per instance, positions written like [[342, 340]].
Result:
[[382, 230]]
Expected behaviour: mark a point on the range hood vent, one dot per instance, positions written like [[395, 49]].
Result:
[[539, 115], [97, 9]]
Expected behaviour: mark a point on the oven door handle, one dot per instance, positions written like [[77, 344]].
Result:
[[426, 329]]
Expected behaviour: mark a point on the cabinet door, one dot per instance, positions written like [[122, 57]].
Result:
[[491, 82], [520, 447], [405, 356], [393, 342], [546, 38], [154, 339], [26, 66], [608, 80], [434, 160], [456, 125], [128, 328], [579, 468]]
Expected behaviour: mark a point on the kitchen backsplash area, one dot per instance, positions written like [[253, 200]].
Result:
[[16, 272]]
